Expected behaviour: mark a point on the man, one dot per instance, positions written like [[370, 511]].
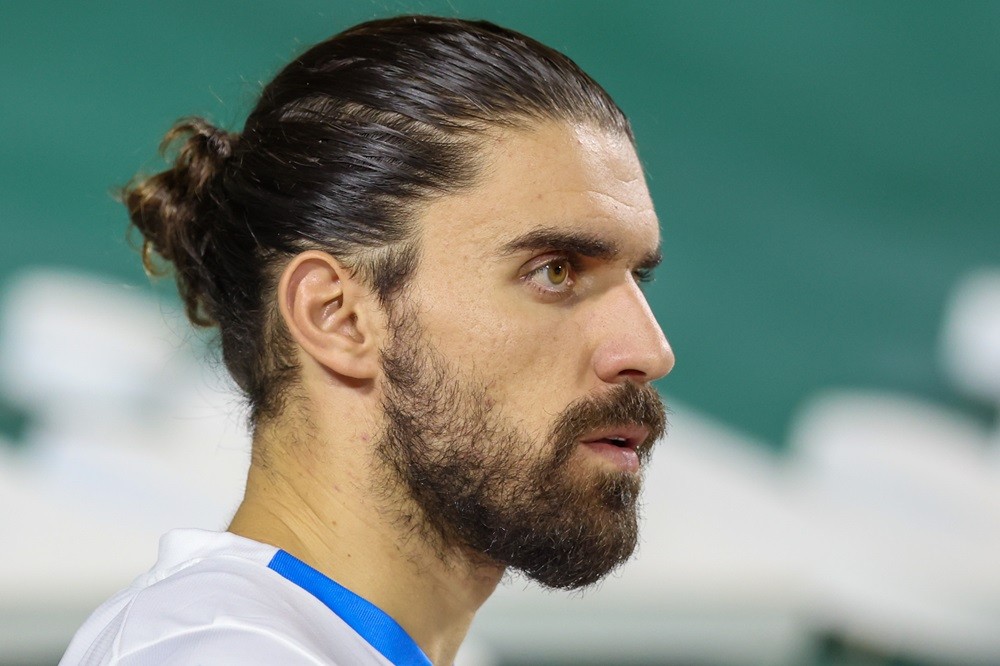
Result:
[[424, 254]]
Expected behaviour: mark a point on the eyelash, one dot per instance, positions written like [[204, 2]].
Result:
[[643, 275]]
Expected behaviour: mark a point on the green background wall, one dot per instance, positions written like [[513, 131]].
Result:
[[825, 172]]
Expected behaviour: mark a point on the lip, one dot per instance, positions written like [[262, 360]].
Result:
[[633, 435]]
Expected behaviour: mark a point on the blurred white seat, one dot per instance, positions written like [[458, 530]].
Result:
[[970, 343], [69, 340], [129, 436], [120, 403], [910, 510]]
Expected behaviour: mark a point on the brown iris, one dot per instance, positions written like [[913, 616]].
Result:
[[557, 272]]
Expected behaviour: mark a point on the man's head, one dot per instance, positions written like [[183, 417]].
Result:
[[344, 148], [451, 217]]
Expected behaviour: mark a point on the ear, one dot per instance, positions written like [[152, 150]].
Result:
[[330, 314]]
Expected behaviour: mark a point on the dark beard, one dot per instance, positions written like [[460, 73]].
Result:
[[476, 482]]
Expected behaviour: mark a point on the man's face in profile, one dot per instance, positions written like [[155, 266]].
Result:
[[517, 397]]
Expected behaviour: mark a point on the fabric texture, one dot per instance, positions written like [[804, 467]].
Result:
[[212, 598]]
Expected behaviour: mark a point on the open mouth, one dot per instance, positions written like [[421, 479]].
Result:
[[620, 442], [622, 437], [617, 446]]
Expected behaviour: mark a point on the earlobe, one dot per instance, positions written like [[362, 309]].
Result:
[[327, 313]]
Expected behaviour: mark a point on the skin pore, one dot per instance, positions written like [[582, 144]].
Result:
[[527, 299]]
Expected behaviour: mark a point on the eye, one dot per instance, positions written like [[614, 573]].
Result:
[[553, 278], [643, 275]]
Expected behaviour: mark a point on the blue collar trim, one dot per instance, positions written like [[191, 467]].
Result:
[[372, 623]]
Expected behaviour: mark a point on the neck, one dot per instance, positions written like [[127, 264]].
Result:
[[326, 511]]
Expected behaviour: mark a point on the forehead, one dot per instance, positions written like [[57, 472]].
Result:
[[555, 176]]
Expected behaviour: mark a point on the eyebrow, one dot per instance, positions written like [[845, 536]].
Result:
[[577, 243]]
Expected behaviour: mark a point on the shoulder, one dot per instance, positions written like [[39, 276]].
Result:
[[220, 646], [223, 608]]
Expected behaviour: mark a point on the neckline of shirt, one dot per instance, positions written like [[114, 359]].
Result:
[[370, 622]]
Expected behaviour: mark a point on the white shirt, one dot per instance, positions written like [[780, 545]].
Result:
[[215, 598]]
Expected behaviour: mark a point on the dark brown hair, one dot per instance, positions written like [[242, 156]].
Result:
[[343, 147]]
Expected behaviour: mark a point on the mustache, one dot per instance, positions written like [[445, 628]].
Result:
[[624, 404]]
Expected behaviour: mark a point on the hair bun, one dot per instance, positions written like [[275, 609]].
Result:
[[204, 150], [179, 210]]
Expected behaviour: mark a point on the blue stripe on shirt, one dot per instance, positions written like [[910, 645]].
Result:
[[372, 623]]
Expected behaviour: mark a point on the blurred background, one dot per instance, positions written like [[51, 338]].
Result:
[[828, 182]]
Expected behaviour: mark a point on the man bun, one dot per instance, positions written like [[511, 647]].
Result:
[[178, 212]]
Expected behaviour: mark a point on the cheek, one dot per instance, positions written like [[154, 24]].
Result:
[[534, 367], [529, 354]]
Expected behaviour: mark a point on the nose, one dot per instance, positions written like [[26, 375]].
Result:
[[631, 345]]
